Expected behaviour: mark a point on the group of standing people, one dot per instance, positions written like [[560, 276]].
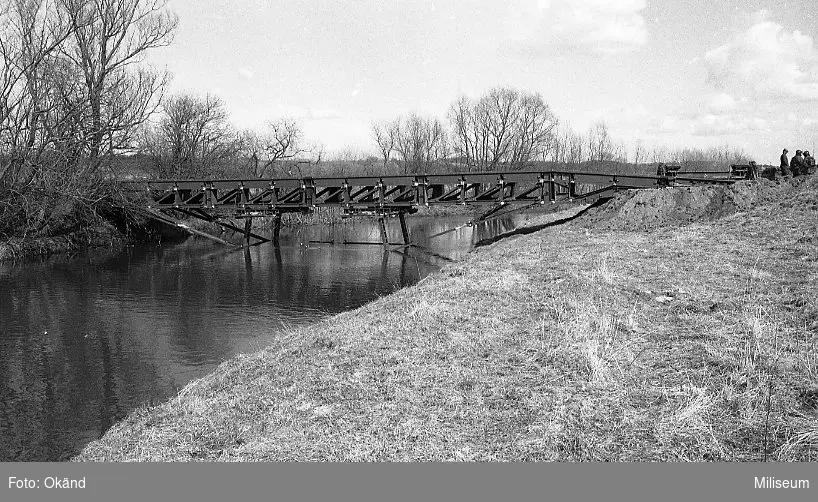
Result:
[[800, 164]]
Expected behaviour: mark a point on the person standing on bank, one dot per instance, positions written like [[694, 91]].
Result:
[[797, 164], [785, 164], [809, 163]]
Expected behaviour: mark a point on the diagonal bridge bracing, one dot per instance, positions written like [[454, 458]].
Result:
[[214, 199]]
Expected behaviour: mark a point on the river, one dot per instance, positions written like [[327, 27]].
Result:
[[85, 340]]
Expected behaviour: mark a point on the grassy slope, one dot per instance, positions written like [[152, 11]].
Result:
[[685, 343]]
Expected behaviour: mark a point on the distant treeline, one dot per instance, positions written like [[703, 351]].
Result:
[[505, 129]]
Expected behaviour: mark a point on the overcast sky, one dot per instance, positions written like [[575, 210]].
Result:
[[666, 72]]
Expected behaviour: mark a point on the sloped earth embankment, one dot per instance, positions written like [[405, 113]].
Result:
[[583, 341], [650, 209]]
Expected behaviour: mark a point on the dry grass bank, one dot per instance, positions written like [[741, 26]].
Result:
[[693, 342]]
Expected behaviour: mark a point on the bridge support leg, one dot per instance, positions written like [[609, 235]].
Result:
[[404, 230], [276, 228], [382, 225], [248, 225]]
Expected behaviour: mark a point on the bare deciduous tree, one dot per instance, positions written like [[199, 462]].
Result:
[[351, 161], [30, 34], [600, 145], [576, 151], [660, 154], [283, 141], [109, 39], [72, 93], [716, 158], [639, 153], [503, 129], [193, 137], [281, 149], [385, 136], [420, 143], [560, 152]]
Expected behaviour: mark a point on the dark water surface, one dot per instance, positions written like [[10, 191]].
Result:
[[85, 340]]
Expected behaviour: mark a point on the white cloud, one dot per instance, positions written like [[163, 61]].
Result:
[[711, 124], [721, 102], [760, 16], [246, 73], [324, 114], [625, 122], [726, 124], [589, 26], [616, 113], [348, 132], [290, 111], [758, 83], [766, 62], [669, 124], [307, 113]]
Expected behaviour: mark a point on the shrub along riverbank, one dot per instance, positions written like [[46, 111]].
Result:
[[100, 235], [41, 221], [584, 341]]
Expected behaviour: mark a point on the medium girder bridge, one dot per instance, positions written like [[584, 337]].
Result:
[[215, 200]]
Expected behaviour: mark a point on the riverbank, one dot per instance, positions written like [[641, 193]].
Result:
[[101, 235], [588, 341]]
